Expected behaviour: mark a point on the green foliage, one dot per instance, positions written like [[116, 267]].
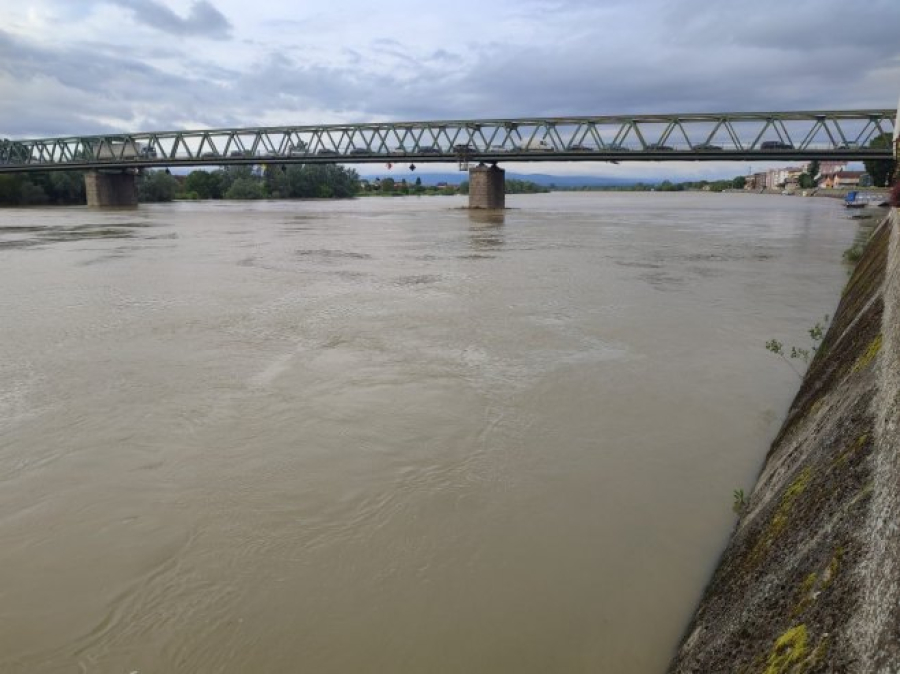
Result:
[[156, 186], [736, 183], [10, 186], [813, 169], [324, 181], [32, 195], [739, 505], [464, 187], [59, 187], [668, 186], [245, 188], [514, 186], [67, 187], [816, 333], [806, 181], [881, 170], [275, 181], [206, 185]]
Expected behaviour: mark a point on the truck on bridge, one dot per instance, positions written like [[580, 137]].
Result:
[[124, 150], [536, 146]]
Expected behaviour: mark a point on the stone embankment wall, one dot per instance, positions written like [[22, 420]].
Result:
[[810, 580]]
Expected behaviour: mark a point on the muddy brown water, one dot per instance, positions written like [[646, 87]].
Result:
[[388, 435]]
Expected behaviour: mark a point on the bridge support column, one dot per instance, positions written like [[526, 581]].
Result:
[[110, 189], [487, 187]]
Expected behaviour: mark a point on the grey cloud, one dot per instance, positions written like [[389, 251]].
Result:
[[589, 68], [76, 90], [789, 27], [203, 19]]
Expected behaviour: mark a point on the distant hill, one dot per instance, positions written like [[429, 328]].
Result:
[[456, 177]]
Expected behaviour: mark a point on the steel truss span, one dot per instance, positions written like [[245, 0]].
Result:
[[756, 136]]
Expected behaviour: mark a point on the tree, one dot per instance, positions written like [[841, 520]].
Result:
[[156, 186], [31, 194], [813, 169], [246, 188], [881, 170], [387, 185], [805, 180], [67, 187], [10, 186], [276, 182], [739, 183], [205, 185]]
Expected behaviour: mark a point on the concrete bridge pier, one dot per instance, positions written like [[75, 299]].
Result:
[[111, 189], [487, 187]]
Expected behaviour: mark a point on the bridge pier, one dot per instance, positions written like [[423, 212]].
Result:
[[487, 187], [110, 189]]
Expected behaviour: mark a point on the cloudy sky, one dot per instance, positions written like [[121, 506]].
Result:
[[72, 67]]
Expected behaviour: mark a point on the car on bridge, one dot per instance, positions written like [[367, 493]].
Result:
[[360, 150], [707, 147], [659, 147], [326, 152], [775, 145], [579, 148], [616, 147], [429, 149]]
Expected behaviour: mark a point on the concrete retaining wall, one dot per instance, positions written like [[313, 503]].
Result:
[[810, 580]]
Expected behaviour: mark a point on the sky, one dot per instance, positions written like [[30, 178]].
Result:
[[78, 67]]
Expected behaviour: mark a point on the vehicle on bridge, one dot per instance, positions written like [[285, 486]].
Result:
[[536, 146], [118, 150], [775, 145]]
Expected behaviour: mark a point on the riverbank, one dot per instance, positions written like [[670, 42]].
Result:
[[809, 579]]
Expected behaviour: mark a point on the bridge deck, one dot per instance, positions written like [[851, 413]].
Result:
[[839, 135]]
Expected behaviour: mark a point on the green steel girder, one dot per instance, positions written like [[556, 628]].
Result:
[[838, 134]]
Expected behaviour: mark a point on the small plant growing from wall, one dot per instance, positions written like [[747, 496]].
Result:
[[739, 505], [816, 333]]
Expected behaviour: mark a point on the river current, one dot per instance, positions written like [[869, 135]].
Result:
[[388, 435]]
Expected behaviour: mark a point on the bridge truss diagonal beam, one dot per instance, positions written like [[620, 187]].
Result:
[[847, 135]]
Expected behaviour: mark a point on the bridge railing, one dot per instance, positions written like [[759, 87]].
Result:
[[846, 134]]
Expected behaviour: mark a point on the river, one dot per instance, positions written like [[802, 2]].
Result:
[[388, 435]]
